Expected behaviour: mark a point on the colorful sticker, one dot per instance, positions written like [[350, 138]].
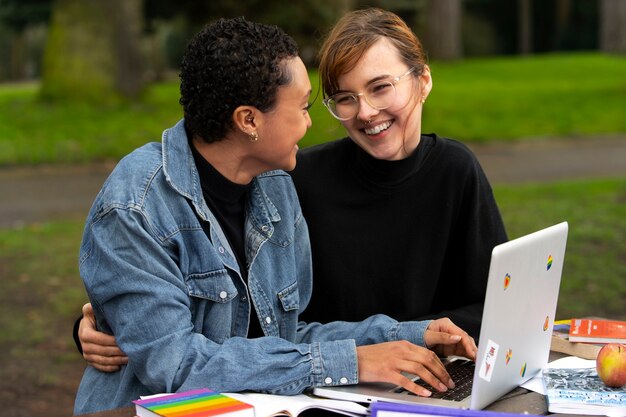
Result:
[[507, 281], [486, 367], [509, 355], [522, 371], [549, 263], [546, 323]]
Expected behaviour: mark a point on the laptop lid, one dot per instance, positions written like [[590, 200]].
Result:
[[518, 316]]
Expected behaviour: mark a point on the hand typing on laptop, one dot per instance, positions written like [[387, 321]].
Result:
[[387, 361]]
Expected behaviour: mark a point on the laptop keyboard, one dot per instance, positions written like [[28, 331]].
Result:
[[461, 372]]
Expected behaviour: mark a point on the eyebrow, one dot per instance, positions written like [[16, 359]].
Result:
[[370, 82]]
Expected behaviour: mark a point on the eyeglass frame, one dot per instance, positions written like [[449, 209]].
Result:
[[356, 96]]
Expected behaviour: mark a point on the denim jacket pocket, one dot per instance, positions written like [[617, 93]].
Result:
[[290, 297], [215, 286]]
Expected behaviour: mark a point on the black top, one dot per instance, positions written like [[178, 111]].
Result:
[[227, 201], [411, 238]]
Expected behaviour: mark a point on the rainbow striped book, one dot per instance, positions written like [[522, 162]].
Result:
[[195, 403]]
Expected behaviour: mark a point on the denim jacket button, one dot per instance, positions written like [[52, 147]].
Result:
[[343, 380], [264, 228], [223, 294], [328, 380], [221, 249], [268, 320]]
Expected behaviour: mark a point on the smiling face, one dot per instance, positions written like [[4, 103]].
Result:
[[283, 126], [392, 133]]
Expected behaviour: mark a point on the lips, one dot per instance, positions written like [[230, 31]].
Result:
[[375, 130]]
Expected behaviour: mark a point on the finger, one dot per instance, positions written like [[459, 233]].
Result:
[[88, 310], [427, 365], [411, 386], [433, 338], [106, 368], [435, 376], [465, 347], [470, 347], [97, 338], [101, 350], [96, 360]]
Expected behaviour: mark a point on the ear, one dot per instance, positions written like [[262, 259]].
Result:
[[426, 81], [245, 119]]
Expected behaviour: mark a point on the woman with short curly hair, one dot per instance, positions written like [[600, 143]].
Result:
[[196, 255]]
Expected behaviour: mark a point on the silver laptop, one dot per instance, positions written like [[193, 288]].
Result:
[[515, 334]]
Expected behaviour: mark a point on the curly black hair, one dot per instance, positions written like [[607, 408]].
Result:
[[230, 63]]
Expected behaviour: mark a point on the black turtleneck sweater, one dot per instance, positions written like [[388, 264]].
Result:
[[411, 238]]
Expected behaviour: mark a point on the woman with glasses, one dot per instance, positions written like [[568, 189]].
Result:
[[401, 222], [196, 255]]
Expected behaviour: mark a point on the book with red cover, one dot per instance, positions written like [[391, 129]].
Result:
[[597, 331]]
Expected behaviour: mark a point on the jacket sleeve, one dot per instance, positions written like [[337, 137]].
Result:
[[139, 295]]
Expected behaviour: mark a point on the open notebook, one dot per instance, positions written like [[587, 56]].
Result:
[[516, 329]]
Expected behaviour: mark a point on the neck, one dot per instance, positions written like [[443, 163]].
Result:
[[228, 157]]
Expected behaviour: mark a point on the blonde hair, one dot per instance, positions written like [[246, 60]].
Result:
[[355, 33]]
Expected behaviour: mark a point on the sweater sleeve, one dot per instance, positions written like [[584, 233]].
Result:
[[478, 228]]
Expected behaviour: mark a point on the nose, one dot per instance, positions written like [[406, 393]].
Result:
[[366, 112]]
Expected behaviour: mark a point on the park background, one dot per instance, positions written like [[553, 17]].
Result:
[[84, 82]]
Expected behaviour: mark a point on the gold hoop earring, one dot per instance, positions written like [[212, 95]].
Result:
[[254, 136]]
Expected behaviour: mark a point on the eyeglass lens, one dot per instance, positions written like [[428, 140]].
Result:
[[379, 95]]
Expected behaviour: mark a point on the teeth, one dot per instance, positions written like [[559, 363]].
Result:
[[377, 129]]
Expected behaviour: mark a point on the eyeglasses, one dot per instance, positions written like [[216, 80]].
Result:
[[379, 95]]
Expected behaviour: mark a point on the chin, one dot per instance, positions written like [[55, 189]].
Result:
[[290, 165]]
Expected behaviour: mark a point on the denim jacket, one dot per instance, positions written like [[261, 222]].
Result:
[[177, 304]]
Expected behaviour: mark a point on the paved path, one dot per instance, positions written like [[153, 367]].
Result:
[[47, 193]]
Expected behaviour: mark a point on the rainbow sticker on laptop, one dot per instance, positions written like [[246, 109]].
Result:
[[549, 265]]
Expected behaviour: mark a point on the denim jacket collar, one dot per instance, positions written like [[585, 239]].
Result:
[[177, 154]]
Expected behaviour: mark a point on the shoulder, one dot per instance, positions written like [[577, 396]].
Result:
[[452, 148], [452, 155], [132, 179]]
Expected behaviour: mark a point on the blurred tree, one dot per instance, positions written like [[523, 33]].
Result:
[[92, 51], [17, 16], [613, 26], [442, 38], [305, 20], [525, 26]]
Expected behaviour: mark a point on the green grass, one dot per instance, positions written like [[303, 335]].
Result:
[[593, 281], [41, 291], [473, 100], [34, 132], [508, 98]]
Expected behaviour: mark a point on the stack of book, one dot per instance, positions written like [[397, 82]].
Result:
[[597, 331], [585, 337]]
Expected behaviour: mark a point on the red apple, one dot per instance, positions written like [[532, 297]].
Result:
[[611, 364]]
